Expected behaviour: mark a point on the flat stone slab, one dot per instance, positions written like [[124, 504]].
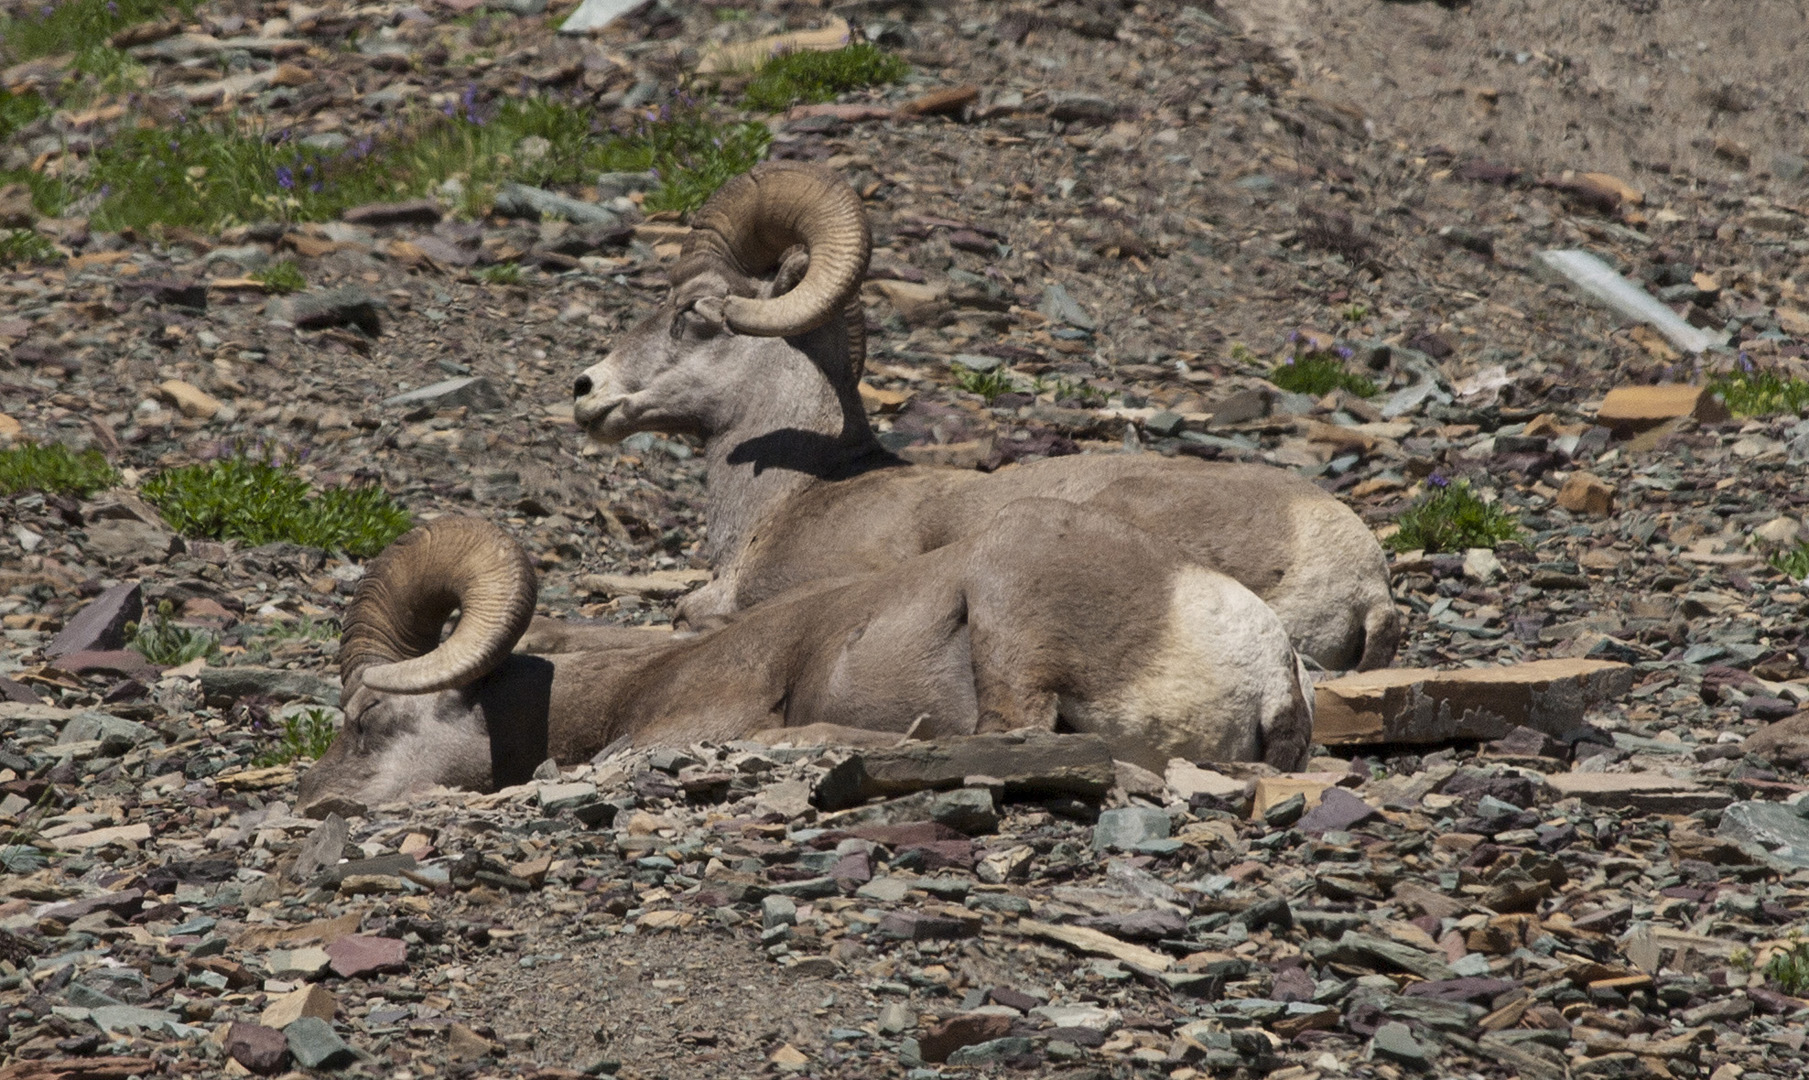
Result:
[[1419, 705], [1605, 788], [1028, 763]]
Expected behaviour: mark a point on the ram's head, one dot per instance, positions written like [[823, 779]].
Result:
[[778, 252]]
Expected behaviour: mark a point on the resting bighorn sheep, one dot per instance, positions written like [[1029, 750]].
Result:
[[1050, 612], [799, 489]]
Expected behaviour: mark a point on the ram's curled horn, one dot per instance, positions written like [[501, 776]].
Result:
[[392, 634], [755, 218]]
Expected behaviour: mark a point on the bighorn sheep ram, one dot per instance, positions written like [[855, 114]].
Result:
[[799, 489], [1049, 612]]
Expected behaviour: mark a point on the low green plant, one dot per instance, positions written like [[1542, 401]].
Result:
[[162, 641], [1070, 390], [1354, 312], [1761, 392], [282, 276], [1793, 562], [78, 25], [500, 274], [53, 468], [1241, 354], [808, 76], [988, 384], [1452, 517], [27, 246], [305, 734], [1319, 373], [257, 501], [1789, 968], [305, 628], [18, 110]]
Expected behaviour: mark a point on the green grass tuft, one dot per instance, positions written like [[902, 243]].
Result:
[[1793, 562], [987, 384], [54, 469], [78, 25], [500, 274], [1318, 374], [163, 642], [806, 77], [259, 502], [306, 734], [1451, 518], [18, 110], [1761, 392], [26, 246], [210, 174], [282, 276], [1790, 968]]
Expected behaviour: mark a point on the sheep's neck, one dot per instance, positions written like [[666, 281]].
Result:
[[795, 421]]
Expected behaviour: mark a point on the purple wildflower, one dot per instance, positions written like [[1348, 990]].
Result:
[[1438, 480], [285, 178], [1346, 352], [469, 101], [1746, 364], [317, 186]]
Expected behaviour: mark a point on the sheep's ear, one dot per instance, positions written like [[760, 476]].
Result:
[[709, 309], [793, 265]]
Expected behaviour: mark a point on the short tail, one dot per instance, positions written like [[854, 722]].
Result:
[[1288, 736], [1381, 636]]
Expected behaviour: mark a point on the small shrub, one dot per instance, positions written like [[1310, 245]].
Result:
[[500, 274], [161, 641], [27, 246], [282, 276], [1789, 968], [987, 384], [260, 502], [50, 195], [1319, 373], [306, 734], [1793, 562], [55, 470], [1354, 312], [1452, 517], [1758, 392], [302, 629], [807, 76]]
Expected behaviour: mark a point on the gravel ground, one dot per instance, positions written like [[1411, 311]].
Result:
[[1147, 207]]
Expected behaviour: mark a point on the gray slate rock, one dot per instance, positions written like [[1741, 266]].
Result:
[[116, 734], [224, 685], [1395, 1041], [1129, 828], [348, 306], [473, 391], [1770, 830], [126, 542], [519, 200]]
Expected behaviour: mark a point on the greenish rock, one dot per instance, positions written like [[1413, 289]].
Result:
[[1395, 1042], [991, 1052], [123, 1017], [316, 1046]]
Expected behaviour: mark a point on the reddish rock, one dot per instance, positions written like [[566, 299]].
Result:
[[361, 955], [101, 626], [260, 1049], [412, 212], [120, 663]]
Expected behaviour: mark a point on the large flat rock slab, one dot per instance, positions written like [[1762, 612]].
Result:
[[1420, 705]]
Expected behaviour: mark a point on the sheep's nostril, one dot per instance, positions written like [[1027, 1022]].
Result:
[[582, 386]]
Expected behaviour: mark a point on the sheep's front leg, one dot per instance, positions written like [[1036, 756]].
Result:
[[1011, 685]]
